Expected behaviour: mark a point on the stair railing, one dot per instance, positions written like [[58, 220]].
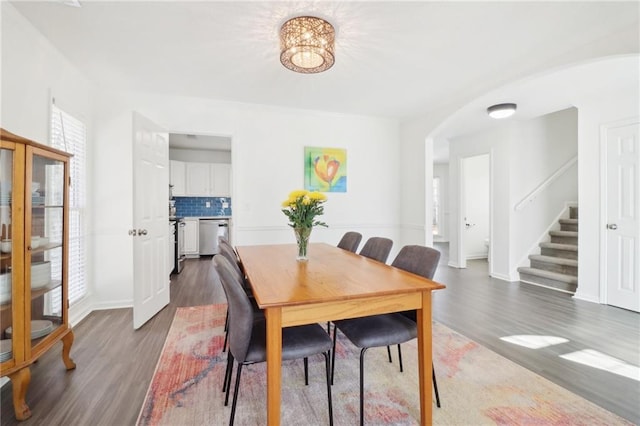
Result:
[[548, 181]]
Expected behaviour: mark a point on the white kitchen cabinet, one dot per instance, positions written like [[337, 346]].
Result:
[[177, 178], [220, 180], [198, 179], [191, 234]]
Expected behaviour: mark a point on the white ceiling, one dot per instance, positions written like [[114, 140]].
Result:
[[395, 59]]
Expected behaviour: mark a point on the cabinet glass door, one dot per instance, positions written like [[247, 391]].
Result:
[[44, 244], [6, 318]]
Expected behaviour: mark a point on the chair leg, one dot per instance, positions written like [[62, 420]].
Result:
[[230, 373], [235, 394], [389, 353], [400, 358], [306, 371], [362, 385], [333, 353], [227, 374], [435, 385], [226, 332], [327, 366]]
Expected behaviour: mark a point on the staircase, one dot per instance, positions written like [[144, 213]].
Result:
[[557, 264]]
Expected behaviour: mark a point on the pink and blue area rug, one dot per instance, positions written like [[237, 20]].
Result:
[[477, 386]]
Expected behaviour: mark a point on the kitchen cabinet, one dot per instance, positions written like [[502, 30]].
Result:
[[191, 236], [198, 179], [220, 180], [172, 247], [177, 178], [34, 216]]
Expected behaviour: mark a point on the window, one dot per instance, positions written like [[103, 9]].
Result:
[[69, 134]]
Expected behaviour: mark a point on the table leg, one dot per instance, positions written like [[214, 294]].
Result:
[[274, 364], [425, 359]]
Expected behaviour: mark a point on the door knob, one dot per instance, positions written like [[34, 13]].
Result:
[[612, 226], [142, 232], [133, 232]]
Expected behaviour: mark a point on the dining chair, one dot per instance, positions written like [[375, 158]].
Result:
[[247, 337], [229, 253], [389, 329], [376, 248], [350, 241]]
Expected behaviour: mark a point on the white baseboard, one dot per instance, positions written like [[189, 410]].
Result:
[[80, 310], [585, 297], [501, 277], [454, 265]]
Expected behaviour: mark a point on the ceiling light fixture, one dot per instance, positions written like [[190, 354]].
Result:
[[307, 44], [501, 110]]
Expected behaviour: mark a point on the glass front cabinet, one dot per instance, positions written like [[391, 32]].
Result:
[[34, 220]]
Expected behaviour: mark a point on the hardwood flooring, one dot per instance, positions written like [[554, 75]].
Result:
[[115, 363]]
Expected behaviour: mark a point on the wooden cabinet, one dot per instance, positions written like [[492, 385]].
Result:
[[200, 179], [34, 217], [177, 178], [191, 236]]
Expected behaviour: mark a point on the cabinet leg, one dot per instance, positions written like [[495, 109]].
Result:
[[20, 382], [67, 341]]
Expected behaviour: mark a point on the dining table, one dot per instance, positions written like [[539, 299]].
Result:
[[333, 284]]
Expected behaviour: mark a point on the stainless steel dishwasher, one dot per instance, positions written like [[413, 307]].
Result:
[[210, 231]]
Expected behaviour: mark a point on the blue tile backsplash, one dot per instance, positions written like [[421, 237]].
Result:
[[197, 206]]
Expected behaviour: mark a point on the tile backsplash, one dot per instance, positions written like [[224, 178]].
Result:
[[197, 206]]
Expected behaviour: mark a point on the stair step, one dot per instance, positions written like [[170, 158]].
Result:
[[568, 251], [547, 274], [564, 237], [560, 265], [556, 260], [571, 234], [554, 280], [568, 225], [573, 212]]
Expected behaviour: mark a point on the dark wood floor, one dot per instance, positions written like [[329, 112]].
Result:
[[115, 363]]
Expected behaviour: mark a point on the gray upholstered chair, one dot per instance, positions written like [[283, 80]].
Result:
[[389, 329], [377, 248], [350, 241], [247, 337]]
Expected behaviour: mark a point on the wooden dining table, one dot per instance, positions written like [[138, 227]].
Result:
[[333, 284]]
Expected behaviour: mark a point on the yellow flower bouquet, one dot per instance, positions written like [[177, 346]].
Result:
[[301, 208]]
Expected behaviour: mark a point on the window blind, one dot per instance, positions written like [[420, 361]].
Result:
[[69, 134]]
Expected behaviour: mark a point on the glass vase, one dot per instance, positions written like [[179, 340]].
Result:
[[302, 238]]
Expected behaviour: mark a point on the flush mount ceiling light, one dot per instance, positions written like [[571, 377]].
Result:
[[307, 44], [501, 110]]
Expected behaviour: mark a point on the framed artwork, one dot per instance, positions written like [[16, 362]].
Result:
[[325, 169]]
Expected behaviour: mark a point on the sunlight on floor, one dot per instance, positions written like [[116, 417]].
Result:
[[595, 359], [534, 342]]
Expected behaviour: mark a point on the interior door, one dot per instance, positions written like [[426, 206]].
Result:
[[622, 232], [150, 219]]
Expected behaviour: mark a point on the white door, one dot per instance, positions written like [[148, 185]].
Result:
[[475, 207], [622, 234], [150, 219]]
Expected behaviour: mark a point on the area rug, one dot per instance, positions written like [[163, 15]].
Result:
[[477, 386]]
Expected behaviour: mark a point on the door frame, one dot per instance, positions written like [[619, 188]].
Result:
[[462, 203], [604, 128]]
